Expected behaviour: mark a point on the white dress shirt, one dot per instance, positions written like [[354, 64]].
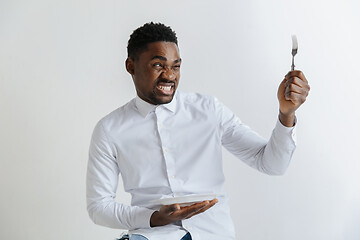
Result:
[[172, 150]]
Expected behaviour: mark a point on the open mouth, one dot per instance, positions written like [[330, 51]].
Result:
[[165, 88]]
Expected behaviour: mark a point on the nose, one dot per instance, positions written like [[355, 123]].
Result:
[[168, 73]]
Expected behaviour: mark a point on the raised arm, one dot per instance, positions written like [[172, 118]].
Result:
[[273, 156]]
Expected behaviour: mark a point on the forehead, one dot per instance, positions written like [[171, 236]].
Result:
[[169, 50]]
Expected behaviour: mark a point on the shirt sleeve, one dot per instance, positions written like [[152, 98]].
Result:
[[271, 157], [101, 184]]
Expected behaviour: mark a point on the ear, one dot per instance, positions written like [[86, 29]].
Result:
[[129, 64]]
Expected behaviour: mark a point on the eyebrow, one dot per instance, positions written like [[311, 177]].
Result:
[[165, 59]]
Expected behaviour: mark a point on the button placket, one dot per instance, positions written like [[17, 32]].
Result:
[[165, 143]]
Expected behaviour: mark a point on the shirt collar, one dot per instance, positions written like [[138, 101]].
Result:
[[145, 108]]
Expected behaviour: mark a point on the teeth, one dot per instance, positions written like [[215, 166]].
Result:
[[166, 88]]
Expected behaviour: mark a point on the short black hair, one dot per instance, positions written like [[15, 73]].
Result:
[[148, 33]]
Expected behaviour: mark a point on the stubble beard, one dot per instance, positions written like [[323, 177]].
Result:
[[159, 100]]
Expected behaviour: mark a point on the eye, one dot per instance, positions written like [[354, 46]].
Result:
[[157, 66], [176, 67]]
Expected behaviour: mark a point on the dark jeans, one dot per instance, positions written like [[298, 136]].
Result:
[[186, 237]]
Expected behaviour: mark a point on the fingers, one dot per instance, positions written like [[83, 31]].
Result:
[[297, 82], [172, 213], [296, 73], [296, 87], [169, 209], [189, 211], [211, 203], [184, 212], [296, 98]]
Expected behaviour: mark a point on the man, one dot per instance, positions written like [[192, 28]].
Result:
[[166, 143]]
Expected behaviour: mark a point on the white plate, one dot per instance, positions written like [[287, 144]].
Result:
[[185, 200]]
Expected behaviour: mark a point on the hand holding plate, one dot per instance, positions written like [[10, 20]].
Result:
[[172, 213]]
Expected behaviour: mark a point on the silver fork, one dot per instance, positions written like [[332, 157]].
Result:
[[294, 50]]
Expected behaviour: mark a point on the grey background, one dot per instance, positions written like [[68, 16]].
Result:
[[62, 69]]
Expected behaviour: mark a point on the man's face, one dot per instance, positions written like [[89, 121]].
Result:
[[156, 72]]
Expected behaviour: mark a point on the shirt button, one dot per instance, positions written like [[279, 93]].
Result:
[[166, 149], [172, 176]]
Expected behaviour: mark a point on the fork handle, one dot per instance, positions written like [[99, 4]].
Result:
[[292, 65]]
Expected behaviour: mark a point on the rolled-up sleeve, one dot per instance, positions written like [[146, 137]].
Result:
[[101, 184], [271, 157]]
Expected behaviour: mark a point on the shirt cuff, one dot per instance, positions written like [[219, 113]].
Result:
[[142, 217], [283, 130]]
